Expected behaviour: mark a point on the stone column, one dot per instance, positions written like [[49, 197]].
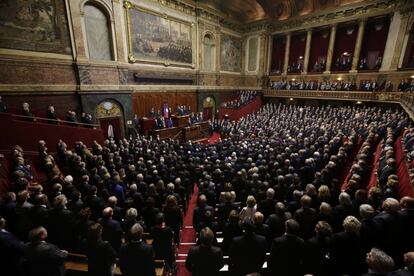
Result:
[[393, 57], [358, 45], [307, 51], [269, 54], [331, 47], [287, 52], [118, 32]]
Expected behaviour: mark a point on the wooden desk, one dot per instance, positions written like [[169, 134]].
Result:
[[192, 132], [166, 133], [204, 128], [180, 121]]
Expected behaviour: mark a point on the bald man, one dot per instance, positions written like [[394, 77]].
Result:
[[112, 230]]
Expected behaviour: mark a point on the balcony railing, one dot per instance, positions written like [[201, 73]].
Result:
[[405, 99]]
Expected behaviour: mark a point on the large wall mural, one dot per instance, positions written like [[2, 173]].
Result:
[[158, 38], [230, 52], [34, 25]]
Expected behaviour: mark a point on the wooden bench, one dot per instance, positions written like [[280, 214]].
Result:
[[77, 264]]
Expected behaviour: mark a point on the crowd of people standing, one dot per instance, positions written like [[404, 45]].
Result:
[[274, 179]]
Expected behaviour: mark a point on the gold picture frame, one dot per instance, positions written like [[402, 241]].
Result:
[[136, 52]]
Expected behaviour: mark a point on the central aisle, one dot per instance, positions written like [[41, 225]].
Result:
[[188, 236]]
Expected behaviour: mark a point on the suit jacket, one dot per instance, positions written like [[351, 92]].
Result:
[[223, 212], [111, 232], [266, 207], [204, 261], [286, 255], [11, 253], [247, 254], [307, 218], [407, 221], [316, 261], [136, 258], [346, 249], [101, 258], [42, 258], [401, 272], [199, 215]]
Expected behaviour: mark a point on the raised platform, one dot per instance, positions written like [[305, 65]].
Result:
[[198, 132]]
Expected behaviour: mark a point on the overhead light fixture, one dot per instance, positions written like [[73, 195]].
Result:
[[293, 79], [379, 26], [339, 78], [359, 102], [291, 99], [412, 76], [349, 31]]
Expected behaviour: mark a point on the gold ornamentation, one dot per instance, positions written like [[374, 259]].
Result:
[[103, 110]]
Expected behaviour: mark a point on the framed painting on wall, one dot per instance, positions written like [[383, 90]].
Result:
[[158, 38]]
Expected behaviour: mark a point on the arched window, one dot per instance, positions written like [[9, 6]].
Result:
[[209, 53], [97, 30]]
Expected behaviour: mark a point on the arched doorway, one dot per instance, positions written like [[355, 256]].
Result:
[[209, 108], [111, 119]]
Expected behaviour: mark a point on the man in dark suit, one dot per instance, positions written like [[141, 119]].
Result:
[[267, 206], [407, 219], [95, 203], [205, 259], [112, 230], [307, 218], [390, 230], [11, 251], [41, 257], [247, 252], [136, 257], [286, 253], [200, 211]]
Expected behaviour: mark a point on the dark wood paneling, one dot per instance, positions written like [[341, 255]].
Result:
[[143, 102]]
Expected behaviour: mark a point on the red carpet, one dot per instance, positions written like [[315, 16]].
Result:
[[188, 236], [214, 138]]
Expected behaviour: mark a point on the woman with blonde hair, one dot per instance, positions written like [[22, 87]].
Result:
[[247, 213], [324, 194]]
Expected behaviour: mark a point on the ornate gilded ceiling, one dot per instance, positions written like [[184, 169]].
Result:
[[254, 10]]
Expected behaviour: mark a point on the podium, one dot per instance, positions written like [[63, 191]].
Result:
[[147, 125], [180, 121], [167, 133]]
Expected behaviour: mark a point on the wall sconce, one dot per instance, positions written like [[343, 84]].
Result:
[[349, 31], [379, 26], [290, 99], [339, 79]]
